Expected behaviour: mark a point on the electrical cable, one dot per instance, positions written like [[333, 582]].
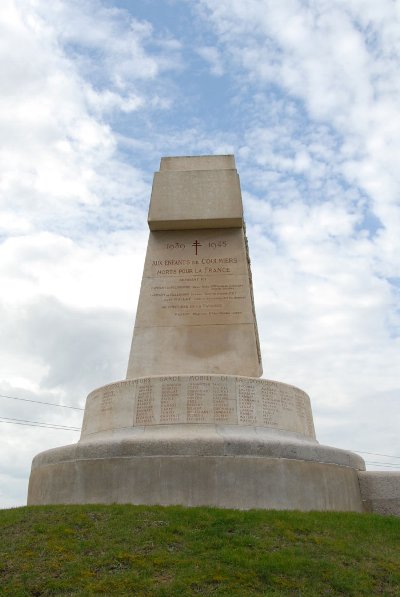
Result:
[[383, 464], [41, 402], [37, 424], [374, 454]]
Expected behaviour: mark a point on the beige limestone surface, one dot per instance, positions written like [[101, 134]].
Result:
[[380, 492], [235, 481], [242, 443], [196, 309], [198, 400], [195, 199], [198, 162]]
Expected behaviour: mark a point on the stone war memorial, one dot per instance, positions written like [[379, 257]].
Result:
[[193, 423]]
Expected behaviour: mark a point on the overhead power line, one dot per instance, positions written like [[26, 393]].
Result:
[[374, 454], [391, 464], [37, 424], [41, 402]]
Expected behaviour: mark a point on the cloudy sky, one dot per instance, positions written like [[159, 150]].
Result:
[[305, 93]]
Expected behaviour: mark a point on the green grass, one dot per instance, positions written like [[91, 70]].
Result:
[[142, 550]]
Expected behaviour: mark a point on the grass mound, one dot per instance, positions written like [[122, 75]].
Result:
[[142, 550]]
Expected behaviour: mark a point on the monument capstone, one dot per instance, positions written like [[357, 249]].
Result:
[[193, 423]]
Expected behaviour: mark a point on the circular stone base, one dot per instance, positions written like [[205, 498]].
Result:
[[221, 481], [221, 441], [213, 467]]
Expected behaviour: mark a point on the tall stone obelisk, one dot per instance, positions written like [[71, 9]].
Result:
[[193, 423], [196, 304]]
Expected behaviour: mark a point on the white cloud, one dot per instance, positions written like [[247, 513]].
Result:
[[57, 151], [213, 57]]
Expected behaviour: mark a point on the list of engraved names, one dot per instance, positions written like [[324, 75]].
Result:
[[221, 400]]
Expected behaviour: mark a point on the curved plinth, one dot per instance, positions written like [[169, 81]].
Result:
[[256, 463], [197, 399]]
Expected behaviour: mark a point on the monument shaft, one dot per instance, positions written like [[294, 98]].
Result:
[[196, 309]]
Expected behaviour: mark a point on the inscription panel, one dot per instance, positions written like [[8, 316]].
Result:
[[198, 399], [195, 301], [195, 252], [195, 278]]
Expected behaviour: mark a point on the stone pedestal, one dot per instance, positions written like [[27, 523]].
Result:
[[227, 441], [193, 424]]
